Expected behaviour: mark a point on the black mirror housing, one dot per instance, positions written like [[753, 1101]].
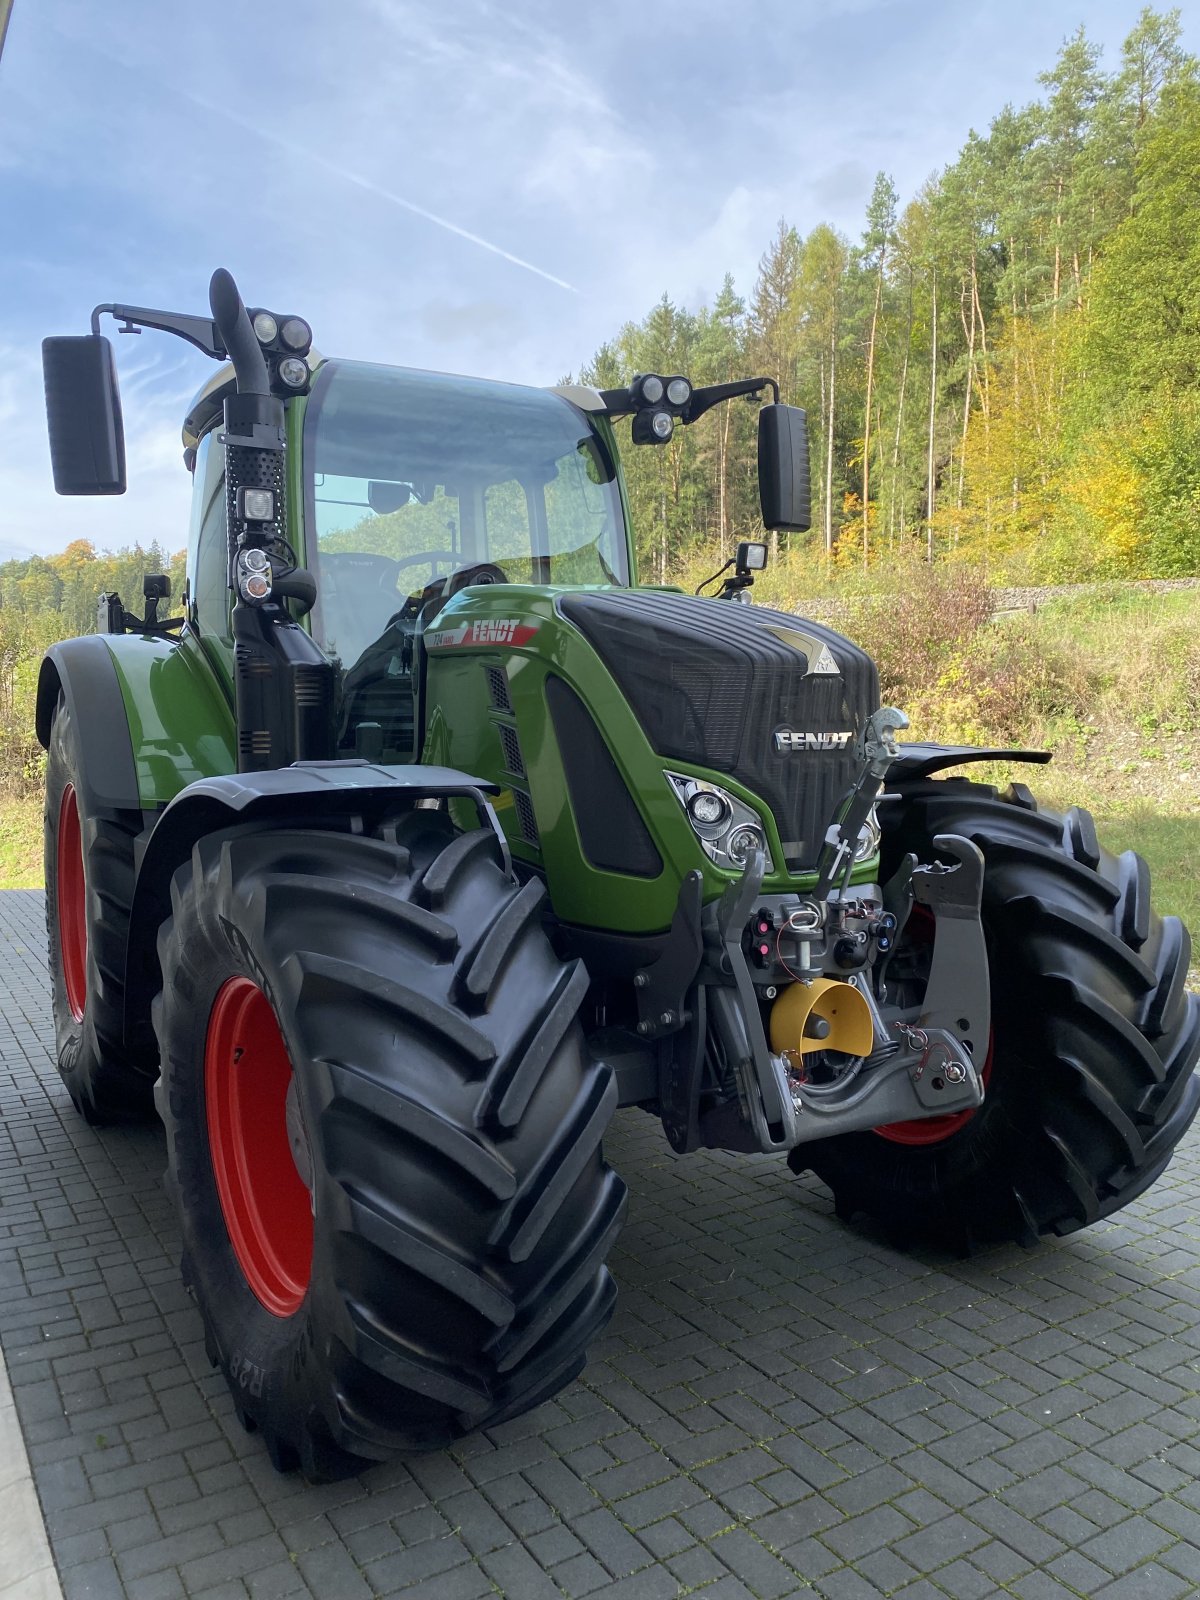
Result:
[[783, 472], [83, 412], [384, 497]]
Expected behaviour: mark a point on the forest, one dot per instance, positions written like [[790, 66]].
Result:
[[1001, 370], [1002, 379]]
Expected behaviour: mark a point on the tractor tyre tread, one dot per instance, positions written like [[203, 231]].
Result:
[[102, 1083], [1093, 1083], [458, 1270]]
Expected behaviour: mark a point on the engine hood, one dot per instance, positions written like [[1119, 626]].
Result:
[[771, 699]]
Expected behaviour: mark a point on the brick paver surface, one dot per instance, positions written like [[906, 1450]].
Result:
[[780, 1406]]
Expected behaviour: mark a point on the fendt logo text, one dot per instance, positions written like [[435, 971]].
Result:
[[788, 740]]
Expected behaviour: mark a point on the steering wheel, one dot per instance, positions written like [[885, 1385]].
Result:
[[481, 572], [433, 557]]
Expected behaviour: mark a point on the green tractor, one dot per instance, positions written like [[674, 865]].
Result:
[[424, 838]]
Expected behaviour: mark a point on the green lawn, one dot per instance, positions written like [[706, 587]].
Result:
[[20, 842], [1171, 846]]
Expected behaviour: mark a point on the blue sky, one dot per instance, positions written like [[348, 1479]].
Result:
[[474, 186]]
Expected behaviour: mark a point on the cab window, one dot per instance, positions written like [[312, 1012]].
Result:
[[208, 582]]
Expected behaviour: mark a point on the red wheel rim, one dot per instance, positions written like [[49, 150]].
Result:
[[267, 1209], [71, 902], [933, 1130]]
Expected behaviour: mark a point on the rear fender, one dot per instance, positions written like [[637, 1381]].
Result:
[[314, 794], [151, 713], [84, 673]]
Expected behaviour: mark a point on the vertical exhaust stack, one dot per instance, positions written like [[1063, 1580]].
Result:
[[283, 685]]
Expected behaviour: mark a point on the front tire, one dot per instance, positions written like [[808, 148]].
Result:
[[1094, 1038], [89, 889], [422, 1251]]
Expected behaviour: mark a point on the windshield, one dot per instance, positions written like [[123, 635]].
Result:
[[414, 476]]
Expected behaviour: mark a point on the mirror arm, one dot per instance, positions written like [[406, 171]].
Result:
[[200, 331], [712, 395], [618, 402]]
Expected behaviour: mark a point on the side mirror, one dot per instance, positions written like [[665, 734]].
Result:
[[83, 411], [783, 483], [384, 497]]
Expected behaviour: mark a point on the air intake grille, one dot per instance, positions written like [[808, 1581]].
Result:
[[511, 745], [498, 691], [525, 816]]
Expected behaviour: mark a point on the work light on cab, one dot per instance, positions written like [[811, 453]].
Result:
[[296, 334]]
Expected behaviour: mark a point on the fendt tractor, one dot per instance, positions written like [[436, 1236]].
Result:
[[424, 837]]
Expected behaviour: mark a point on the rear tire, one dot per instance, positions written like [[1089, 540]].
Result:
[[461, 1209], [1094, 1038], [89, 890]]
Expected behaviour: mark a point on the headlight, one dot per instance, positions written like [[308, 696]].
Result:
[[728, 830], [651, 389], [868, 837], [266, 329], [708, 809], [294, 372], [679, 391], [744, 841]]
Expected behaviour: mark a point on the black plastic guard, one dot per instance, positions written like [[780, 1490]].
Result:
[[310, 793], [83, 670], [917, 761]]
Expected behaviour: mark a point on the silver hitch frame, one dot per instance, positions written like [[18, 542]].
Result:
[[924, 1062]]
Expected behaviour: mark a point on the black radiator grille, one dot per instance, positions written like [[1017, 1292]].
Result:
[[711, 682]]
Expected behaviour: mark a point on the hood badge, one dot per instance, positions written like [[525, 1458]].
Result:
[[788, 740]]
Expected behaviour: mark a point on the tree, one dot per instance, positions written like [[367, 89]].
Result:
[[881, 223], [819, 292]]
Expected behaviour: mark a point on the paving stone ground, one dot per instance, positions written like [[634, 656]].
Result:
[[782, 1406]]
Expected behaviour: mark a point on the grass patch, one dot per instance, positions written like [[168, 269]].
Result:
[[1171, 846], [21, 841]]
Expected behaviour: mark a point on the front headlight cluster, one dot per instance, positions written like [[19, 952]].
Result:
[[868, 837], [729, 831]]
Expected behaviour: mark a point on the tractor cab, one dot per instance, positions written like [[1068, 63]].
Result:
[[418, 485], [415, 485]]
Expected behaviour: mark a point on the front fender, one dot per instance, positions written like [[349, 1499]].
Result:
[[917, 761], [310, 794]]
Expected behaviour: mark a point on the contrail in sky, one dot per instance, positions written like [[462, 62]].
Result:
[[371, 187], [368, 185]]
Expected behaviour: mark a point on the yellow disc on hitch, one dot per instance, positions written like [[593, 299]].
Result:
[[825, 1014]]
